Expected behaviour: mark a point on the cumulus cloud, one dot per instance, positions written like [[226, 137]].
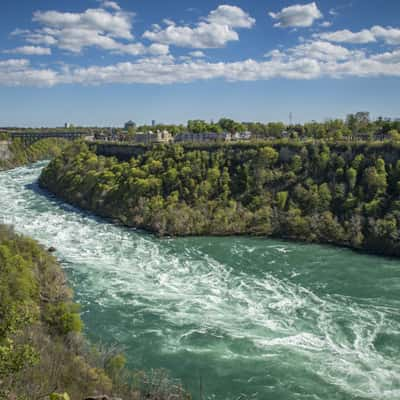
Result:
[[110, 4], [390, 57], [97, 20], [30, 50], [20, 73], [389, 35], [158, 49], [109, 28], [346, 36], [320, 50], [214, 31], [308, 60], [73, 32], [297, 16], [40, 38], [231, 16]]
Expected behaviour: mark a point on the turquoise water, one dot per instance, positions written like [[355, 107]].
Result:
[[251, 318]]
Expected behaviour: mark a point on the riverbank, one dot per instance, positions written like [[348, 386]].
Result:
[[246, 317], [43, 352], [318, 193]]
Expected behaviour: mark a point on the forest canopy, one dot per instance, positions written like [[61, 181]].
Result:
[[344, 194]]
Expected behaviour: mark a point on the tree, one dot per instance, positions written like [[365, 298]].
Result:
[[351, 175], [394, 134], [281, 199], [269, 156], [375, 182]]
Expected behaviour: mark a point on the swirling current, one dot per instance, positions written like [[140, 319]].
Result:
[[244, 318]]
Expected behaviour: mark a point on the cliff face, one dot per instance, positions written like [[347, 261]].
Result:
[[15, 153], [5, 153], [317, 192]]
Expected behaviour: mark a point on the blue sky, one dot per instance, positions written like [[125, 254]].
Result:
[[92, 62]]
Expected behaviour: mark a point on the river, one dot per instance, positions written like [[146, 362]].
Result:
[[249, 318]]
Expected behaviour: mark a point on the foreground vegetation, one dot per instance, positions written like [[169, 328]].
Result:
[[42, 352], [342, 194]]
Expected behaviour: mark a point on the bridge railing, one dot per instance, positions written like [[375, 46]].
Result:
[[29, 137]]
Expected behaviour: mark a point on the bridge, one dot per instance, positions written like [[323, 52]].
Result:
[[32, 137]]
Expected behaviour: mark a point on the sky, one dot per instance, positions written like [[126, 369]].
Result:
[[103, 62]]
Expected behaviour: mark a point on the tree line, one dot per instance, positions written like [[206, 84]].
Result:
[[355, 124]]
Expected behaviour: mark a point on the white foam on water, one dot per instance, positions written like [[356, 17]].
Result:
[[195, 296]]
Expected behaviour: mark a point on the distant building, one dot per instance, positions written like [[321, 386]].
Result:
[[153, 137], [285, 134], [67, 125], [381, 137], [363, 136], [153, 123], [100, 136], [129, 124], [242, 135]]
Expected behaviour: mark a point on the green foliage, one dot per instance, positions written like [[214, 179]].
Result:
[[41, 348], [40, 150], [59, 396], [335, 193], [63, 317], [281, 200]]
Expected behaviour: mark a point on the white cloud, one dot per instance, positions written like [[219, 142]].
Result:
[[203, 36], [320, 50], [309, 60], [158, 49], [391, 57], [110, 29], [117, 25], [167, 22], [197, 54], [231, 16], [14, 64], [30, 50], [40, 38], [18, 32], [214, 31], [325, 24], [346, 36], [297, 16], [389, 35], [73, 32], [110, 4], [20, 73]]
